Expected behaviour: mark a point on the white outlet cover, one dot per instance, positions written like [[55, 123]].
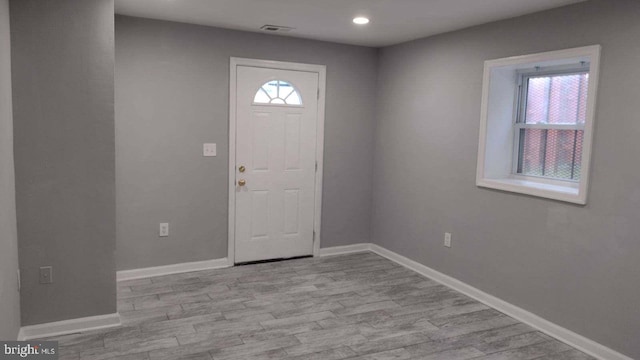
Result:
[[447, 239], [164, 230], [209, 149]]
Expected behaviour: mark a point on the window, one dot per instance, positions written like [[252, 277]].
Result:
[[537, 119], [550, 127], [277, 92]]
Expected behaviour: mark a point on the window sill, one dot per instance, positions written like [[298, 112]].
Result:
[[568, 193]]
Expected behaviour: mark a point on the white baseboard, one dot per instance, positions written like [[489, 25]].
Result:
[[569, 337], [172, 269], [68, 326], [347, 249]]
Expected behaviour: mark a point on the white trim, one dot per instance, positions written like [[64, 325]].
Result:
[[172, 269], [565, 193], [591, 50], [347, 249], [322, 76], [322, 86], [569, 337], [69, 326], [590, 54]]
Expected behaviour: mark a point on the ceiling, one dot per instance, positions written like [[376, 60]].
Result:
[[392, 21]]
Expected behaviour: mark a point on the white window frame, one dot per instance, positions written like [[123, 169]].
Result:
[[521, 109], [500, 124]]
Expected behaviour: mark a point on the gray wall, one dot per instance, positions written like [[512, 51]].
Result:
[[63, 75], [9, 296], [172, 95], [576, 266]]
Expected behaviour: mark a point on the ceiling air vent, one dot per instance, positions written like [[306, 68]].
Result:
[[276, 28]]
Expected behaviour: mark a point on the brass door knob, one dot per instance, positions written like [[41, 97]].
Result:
[[242, 168], [242, 182]]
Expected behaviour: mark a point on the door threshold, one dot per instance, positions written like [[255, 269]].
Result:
[[272, 260]]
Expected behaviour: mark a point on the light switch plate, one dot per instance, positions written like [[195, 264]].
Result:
[[209, 149]]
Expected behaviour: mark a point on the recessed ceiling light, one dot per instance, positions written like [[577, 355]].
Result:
[[360, 20]]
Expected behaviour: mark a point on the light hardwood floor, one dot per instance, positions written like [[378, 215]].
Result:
[[358, 306]]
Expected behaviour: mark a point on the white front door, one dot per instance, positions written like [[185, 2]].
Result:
[[276, 120]]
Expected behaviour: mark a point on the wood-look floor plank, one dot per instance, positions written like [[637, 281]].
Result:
[[355, 306]]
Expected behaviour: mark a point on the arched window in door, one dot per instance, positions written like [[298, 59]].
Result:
[[278, 92]]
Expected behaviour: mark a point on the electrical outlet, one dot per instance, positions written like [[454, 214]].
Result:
[[209, 149], [447, 240], [164, 229], [46, 275]]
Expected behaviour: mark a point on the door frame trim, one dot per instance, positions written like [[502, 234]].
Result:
[[321, 70]]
